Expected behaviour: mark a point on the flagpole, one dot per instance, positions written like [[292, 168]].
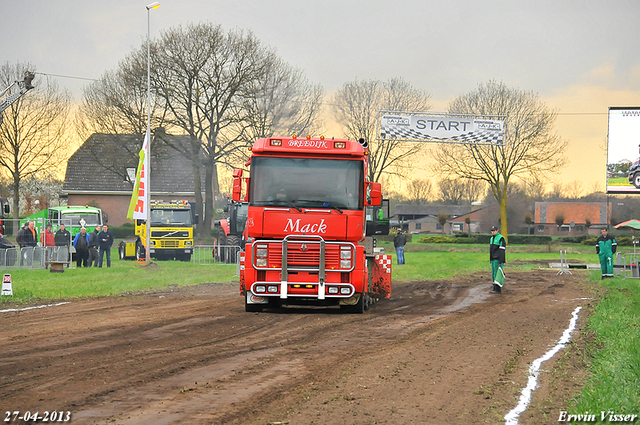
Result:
[[147, 170]]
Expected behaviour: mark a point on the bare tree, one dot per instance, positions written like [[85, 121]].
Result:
[[573, 190], [215, 86], [460, 191], [419, 191], [33, 132], [284, 102], [531, 147], [356, 107], [116, 105]]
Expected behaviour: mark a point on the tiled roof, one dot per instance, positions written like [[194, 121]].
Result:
[[100, 165]]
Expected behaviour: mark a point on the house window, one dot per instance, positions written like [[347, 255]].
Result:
[[438, 226], [418, 226], [457, 227], [579, 228], [541, 229]]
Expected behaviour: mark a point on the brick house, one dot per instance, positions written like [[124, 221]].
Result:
[[102, 173], [578, 218], [480, 220]]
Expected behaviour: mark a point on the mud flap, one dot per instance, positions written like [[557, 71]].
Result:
[[381, 276]]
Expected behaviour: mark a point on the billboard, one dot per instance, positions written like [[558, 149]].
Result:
[[623, 150], [441, 128]]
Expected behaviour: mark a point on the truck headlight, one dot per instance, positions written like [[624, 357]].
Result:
[[261, 252], [188, 243], [261, 262], [345, 264], [152, 243], [345, 254]]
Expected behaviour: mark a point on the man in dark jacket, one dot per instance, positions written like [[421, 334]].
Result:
[[106, 240], [497, 251], [606, 246], [399, 241], [31, 235], [62, 237], [20, 237], [94, 244]]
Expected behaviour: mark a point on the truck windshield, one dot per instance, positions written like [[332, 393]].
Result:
[[161, 217], [305, 182], [84, 220]]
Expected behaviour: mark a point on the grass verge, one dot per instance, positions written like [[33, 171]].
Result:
[[614, 382], [124, 276]]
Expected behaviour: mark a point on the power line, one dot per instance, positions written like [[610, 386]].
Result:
[[67, 76]]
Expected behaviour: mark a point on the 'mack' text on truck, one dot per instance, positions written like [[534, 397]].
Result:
[[306, 226], [171, 233]]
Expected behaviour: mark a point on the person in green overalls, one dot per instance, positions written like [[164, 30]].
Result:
[[606, 246], [497, 251]]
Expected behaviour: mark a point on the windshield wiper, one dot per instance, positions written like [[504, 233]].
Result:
[[324, 204], [283, 201]]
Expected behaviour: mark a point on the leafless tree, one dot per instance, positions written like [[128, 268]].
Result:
[[531, 146], [116, 105], [573, 190], [356, 107], [459, 191], [34, 130], [419, 191], [223, 89]]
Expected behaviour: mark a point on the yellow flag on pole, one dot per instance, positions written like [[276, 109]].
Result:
[[140, 196]]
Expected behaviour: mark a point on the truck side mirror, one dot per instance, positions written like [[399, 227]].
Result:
[[196, 219], [374, 194]]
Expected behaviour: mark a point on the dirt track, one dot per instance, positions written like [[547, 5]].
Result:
[[436, 352]]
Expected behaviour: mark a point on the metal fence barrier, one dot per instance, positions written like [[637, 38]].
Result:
[[215, 254], [33, 257], [631, 266]]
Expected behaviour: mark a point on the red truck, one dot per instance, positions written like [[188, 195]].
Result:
[[306, 243]]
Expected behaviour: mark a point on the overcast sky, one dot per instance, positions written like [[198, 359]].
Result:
[[580, 56]]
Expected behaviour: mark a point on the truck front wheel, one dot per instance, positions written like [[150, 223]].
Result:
[[251, 308], [636, 180]]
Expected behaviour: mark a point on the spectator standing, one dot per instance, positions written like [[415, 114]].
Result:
[[399, 241], [47, 238], [62, 236], [497, 254], [31, 235], [106, 240], [20, 237], [606, 246], [81, 243], [94, 245]]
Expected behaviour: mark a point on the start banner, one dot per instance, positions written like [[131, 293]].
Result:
[[441, 128]]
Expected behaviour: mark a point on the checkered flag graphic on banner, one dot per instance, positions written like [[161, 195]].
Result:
[[478, 137]]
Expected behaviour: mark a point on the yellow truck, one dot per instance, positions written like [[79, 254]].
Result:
[[171, 233]]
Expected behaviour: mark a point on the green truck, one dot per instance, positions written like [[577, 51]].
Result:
[[73, 218]]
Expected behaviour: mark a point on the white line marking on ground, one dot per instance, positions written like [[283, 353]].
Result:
[[31, 308], [511, 418]]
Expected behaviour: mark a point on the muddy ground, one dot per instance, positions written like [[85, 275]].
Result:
[[442, 352]]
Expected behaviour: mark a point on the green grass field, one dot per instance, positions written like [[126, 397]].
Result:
[[614, 383]]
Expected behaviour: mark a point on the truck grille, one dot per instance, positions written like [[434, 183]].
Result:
[[162, 234], [304, 255]]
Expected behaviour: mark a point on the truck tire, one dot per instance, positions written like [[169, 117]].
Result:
[[636, 180], [232, 241], [184, 257], [251, 308], [357, 308]]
